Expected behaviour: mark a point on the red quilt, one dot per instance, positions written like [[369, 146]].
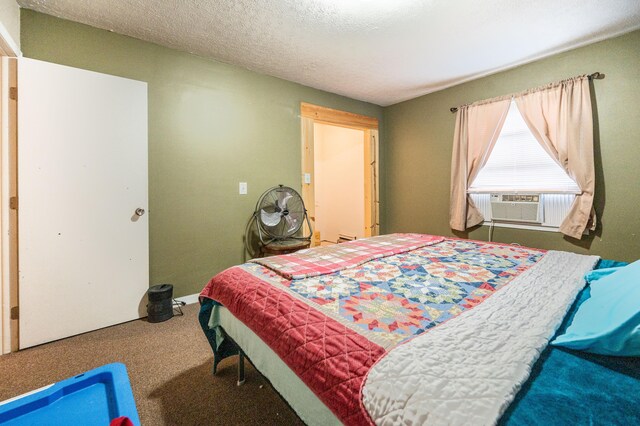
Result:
[[329, 357], [332, 346]]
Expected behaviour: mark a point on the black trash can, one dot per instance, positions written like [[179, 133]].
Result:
[[160, 307]]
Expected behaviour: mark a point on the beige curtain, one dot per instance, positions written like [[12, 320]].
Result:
[[560, 117], [477, 128]]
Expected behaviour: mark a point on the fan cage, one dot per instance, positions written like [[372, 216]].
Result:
[[280, 212], [273, 203]]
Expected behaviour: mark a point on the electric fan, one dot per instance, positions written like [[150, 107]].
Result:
[[278, 218]]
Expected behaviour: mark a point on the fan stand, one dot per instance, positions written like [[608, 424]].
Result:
[[284, 246]]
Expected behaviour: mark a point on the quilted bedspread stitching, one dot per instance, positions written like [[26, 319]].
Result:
[[469, 369], [329, 357], [465, 377], [326, 352]]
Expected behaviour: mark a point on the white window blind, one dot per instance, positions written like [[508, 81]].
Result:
[[518, 163]]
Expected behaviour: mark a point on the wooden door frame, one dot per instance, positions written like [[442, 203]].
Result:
[[9, 52], [311, 114]]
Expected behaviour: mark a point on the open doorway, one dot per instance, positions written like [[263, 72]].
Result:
[[339, 177], [339, 173]]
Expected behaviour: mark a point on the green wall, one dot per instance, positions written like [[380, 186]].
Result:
[[419, 136], [211, 125]]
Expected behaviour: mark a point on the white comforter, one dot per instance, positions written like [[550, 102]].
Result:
[[468, 370]]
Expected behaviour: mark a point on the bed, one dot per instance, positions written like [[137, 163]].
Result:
[[419, 329]]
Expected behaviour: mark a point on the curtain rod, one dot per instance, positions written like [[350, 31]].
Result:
[[595, 76]]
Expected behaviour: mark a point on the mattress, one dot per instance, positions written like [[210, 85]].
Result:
[[498, 284]]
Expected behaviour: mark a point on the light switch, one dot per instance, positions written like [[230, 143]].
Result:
[[307, 178], [243, 188]]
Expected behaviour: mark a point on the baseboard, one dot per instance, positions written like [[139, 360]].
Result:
[[192, 298]]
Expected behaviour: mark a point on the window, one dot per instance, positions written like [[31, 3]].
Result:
[[560, 112], [518, 163]]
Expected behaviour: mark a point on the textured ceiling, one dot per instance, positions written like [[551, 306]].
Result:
[[381, 51]]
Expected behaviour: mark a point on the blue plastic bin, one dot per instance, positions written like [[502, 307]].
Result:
[[92, 398]]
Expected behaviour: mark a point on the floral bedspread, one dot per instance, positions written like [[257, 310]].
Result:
[[331, 329], [394, 298]]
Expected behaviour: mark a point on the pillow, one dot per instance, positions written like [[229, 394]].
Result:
[[608, 323]]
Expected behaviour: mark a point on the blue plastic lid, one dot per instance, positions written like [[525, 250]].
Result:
[[95, 397]]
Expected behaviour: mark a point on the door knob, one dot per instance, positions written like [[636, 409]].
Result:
[[139, 212]]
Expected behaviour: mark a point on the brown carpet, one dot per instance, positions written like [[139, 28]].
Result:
[[169, 366]]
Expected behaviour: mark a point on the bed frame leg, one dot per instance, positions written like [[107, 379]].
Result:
[[240, 368]]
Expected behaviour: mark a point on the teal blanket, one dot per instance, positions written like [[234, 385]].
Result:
[[575, 388]]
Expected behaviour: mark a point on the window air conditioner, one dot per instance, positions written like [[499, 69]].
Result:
[[516, 208]]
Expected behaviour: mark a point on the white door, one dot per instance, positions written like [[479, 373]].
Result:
[[82, 173]]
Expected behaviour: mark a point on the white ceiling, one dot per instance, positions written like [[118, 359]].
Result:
[[381, 51]]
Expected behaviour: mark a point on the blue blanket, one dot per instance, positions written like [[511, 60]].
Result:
[[575, 388]]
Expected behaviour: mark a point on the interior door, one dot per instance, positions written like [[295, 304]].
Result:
[[82, 174]]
